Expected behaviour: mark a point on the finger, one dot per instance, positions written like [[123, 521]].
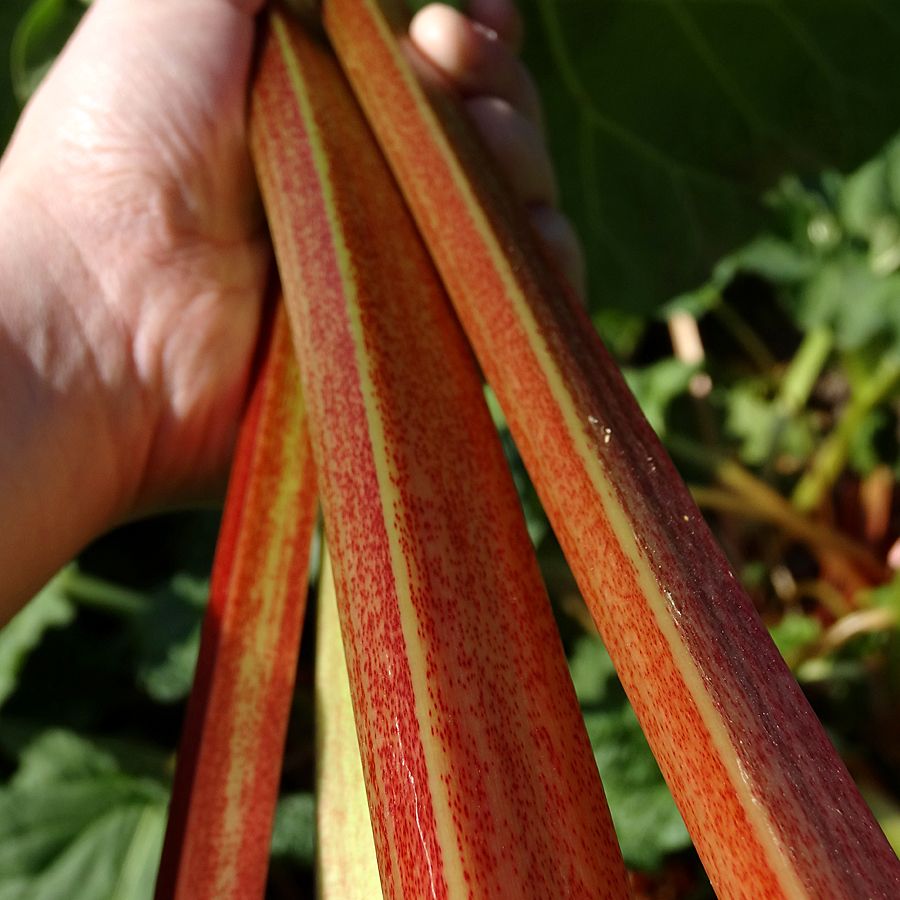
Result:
[[563, 245], [475, 58], [502, 17], [518, 147]]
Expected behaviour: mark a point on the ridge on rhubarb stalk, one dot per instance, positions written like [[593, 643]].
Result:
[[770, 806]]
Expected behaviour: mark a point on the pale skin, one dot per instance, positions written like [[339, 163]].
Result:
[[134, 259]]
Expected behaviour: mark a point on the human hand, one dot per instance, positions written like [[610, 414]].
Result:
[[479, 53], [130, 164]]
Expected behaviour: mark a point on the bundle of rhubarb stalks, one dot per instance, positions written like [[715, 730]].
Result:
[[453, 758]]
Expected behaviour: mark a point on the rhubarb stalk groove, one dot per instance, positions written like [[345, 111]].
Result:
[[479, 774], [771, 807]]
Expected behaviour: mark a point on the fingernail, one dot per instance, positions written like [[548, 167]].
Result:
[[489, 33]]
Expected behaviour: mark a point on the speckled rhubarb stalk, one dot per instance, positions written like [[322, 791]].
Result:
[[346, 865], [229, 762], [479, 774], [770, 805]]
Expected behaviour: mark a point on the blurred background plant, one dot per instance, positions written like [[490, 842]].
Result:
[[733, 170]]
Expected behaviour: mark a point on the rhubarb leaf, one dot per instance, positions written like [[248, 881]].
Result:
[[167, 635], [49, 609], [294, 833], [657, 385], [666, 124], [74, 823]]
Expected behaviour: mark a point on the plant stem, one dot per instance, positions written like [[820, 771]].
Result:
[[831, 457], [863, 621], [826, 595], [97, 593], [755, 499], [804, 370]]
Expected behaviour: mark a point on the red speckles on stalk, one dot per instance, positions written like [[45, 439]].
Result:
[[229, 761], [771, 808], [479, 774]]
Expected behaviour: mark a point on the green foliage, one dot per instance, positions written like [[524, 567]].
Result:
[[830, 271], [75, 823], [294, 833], [793, 634], [37, 29], [668, 119], [759, 425], [656, 385], [11, 12], [39, 37], [834, 256], [49, 609], [886, 595], [83, 817], [167, 635]]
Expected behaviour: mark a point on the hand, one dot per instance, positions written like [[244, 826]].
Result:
[[479, 54], [129, 181]]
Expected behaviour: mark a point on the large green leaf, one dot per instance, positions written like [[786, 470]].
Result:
[[76, 825], [668, 118], [167, 637], [294, 831]]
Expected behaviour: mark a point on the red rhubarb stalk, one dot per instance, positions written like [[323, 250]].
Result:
[[229, 762], [479, 774], [770, 805]]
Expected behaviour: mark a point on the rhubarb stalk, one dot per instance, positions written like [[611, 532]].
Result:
[[771, 807], [229, 761], [479, 774]]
